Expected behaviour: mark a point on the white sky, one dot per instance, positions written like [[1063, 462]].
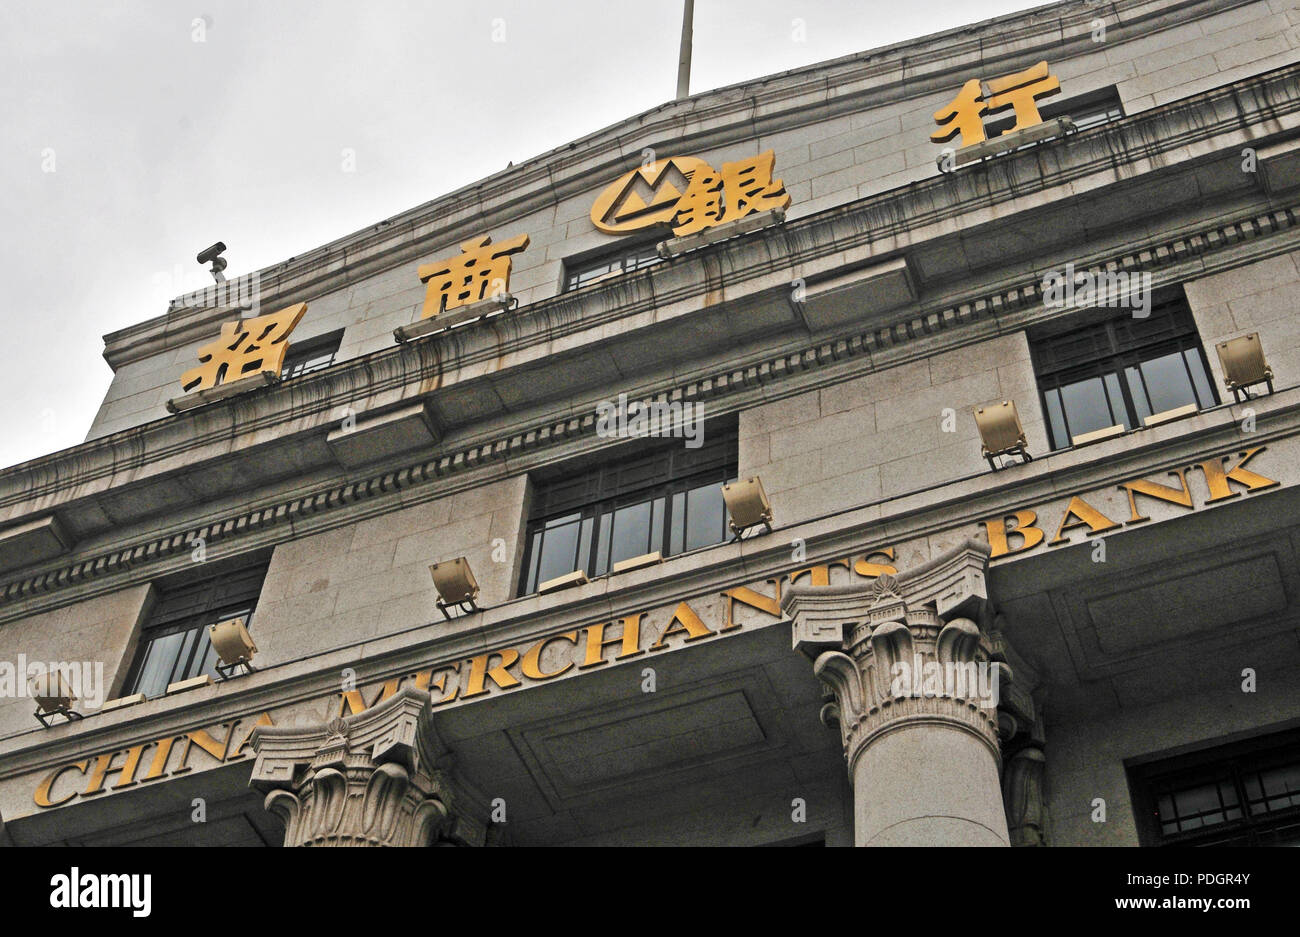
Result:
[[161, 145]]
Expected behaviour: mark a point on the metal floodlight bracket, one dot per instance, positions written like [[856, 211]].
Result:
[[227, 671], [44, 717], [447, 319], [467, 607], [741, 531], [1014, 451]]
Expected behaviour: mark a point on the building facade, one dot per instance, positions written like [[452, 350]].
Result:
[[834, 280]]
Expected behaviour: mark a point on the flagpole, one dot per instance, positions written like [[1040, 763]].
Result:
[[684, 59]]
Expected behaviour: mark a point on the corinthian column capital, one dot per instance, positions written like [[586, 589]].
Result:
[[903, 649], [377, 778], [916, 681]]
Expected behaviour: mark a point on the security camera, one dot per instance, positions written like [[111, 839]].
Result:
[[213, 256]]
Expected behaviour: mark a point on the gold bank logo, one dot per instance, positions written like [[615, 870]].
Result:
[[689, 195], [646, 196]]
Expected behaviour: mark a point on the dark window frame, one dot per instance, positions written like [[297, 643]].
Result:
[[625, 256], [1231, 769], [190, 608], [661, 475], [309, 355], [1120, 343], [1086, 110]]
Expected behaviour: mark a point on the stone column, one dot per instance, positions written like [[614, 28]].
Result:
[[916, 688], [377, 778]]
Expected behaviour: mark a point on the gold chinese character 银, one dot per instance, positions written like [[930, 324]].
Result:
[[245, 347], [743, 188], [481, 270], [1021, 91]]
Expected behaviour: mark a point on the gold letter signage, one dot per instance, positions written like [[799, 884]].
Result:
[[500, 670], [246, 347], [1023, 523], [481, 271], [688, 195], [964, 115]]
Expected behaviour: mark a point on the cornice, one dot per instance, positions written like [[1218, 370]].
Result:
[[825, 361], [720, 567], [875, 226], [736, 113]]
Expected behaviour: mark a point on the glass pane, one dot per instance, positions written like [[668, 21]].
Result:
[[1201, 806], [1167, 382], [1281, 787], [156, 670], [1085, 406], [602, 544], [584, 545], [1204, 393], [182, 671], [657, 526], [559, 549], [1056, 419], [1118, 412], [534, 557], [1139, 394], [706, 516], [205, 659], [677, 536], [631, 531]]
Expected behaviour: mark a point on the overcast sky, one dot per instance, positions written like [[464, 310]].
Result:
[[133, 135]]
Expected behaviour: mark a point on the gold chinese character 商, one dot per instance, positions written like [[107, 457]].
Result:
[[1021, 91], [245, 347], [482, 270]]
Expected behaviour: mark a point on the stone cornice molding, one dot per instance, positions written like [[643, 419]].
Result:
[[874, 227], [394, 374], [733, 114], [824, 362], [524, 620]]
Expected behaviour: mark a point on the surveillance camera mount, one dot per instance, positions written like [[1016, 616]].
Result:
[[213, 256]]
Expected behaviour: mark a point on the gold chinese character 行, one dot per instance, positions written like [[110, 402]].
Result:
[[245, 347], [1021, 91], [481, 270]]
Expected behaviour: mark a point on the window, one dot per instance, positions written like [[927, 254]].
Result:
[[1121, 370], [1086, 111], [666, 499], [174, 644], [310, 355], [1241, 795], [622, 259]]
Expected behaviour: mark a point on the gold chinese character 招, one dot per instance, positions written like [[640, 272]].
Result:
[[1021, 91], [245, 347], [480, 271]]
